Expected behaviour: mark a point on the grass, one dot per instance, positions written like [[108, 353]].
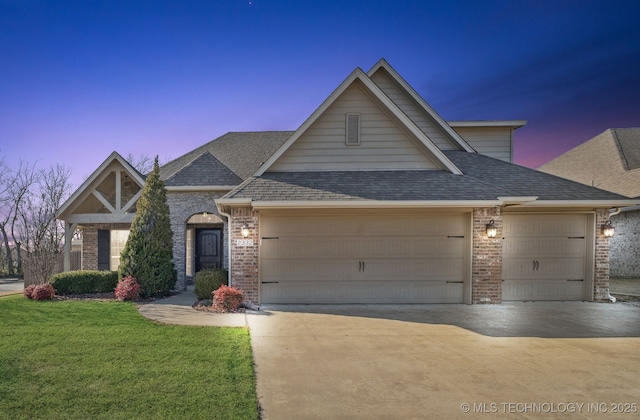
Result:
[[103, 360]]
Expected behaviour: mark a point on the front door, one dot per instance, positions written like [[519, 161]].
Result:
[[208, 249]]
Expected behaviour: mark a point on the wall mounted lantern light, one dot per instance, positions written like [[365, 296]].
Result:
[[245, 230], [492, 231], [608, 230]]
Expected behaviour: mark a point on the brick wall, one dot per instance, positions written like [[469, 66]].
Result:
[[90, 242], [183, 205], [244, 259], [624, 260], [601, 263], [486, 267]]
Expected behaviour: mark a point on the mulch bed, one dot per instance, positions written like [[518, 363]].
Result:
[[105, 297]]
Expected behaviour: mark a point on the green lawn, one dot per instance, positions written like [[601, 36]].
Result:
[[86, 359]]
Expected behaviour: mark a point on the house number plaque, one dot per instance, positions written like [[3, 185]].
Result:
[[244, 242]]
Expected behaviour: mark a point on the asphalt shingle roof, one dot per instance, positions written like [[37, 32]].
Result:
[[484, 178], [241, 152], [204, 170]]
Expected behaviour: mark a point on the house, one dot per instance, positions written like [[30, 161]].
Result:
[[610, 161], [375, 198]]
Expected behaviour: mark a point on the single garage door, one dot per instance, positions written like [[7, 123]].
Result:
[[544, 257], [363, 258]]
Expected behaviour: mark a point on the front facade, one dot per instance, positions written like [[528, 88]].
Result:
[[610, 161], [377, 199]]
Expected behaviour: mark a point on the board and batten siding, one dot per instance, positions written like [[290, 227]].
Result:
[[412, 110], [495, 142], [383, 144]]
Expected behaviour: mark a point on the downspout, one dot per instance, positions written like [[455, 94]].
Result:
[[613, 212], [228, 216]]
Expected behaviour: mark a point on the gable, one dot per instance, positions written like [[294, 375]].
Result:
[[427, 124], [109, 194], [384, 143], [205, 170]]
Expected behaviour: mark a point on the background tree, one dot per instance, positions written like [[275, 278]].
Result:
[[148, 254]]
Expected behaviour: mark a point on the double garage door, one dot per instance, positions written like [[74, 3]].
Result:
[[363, 258]]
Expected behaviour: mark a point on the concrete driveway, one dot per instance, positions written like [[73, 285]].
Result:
[[515, 360]]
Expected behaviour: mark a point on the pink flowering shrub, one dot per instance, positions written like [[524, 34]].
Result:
[[127, 289], [227, 299], [39, 292]]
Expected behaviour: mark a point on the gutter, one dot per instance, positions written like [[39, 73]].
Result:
[[228, 216]]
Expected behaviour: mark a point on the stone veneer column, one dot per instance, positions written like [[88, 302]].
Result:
[[244, 259], [486, 271], [601, 263]]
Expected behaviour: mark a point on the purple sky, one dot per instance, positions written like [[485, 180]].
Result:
[[81, 78]]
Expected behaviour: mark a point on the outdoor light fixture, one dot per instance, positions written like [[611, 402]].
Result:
[[245, 230], [492, 231], [607, 229]]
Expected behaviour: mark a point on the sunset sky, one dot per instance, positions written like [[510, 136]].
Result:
[[82, 78]]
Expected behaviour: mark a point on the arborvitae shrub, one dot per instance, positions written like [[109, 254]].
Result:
[[209, 280], [148, 254]]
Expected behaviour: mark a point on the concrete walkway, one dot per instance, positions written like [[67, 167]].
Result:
[[177, 310]]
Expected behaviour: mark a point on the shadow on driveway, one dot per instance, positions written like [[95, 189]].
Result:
[[512, 319]]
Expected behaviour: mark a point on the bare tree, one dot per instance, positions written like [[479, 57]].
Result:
[[42, 235]]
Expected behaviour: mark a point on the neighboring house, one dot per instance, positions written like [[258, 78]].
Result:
[[610, 161], [373, 199]]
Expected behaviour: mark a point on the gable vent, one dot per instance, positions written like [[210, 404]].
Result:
[[353, 130]]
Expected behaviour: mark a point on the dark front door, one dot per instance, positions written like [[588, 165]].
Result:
[[104, 250], [208, 248]]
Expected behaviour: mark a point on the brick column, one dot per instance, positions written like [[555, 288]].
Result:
[[244, 258], [486, 269], [601, 260]]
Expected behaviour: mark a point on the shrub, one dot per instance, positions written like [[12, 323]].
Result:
[[84, 281], [39, 292], [148, 254], [227, 299], [28, 291], [127, 289], [209, 280]]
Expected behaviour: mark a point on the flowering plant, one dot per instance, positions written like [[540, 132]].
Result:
[[127, 289]]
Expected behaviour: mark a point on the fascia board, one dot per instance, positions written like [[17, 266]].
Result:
[[416, 97], [195, 188], [582, 203], [374, 204], [101, 218], [515, 124], [312, 118]]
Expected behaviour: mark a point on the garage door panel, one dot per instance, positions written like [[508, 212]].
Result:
[[560, 268], [544, 225], [543, 247], [548, 289], [373, 247], [362, 292]]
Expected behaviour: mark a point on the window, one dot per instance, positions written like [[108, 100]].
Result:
[[118, 241], [353, 130]]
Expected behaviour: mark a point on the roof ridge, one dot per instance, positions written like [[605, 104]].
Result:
[[623, 157]]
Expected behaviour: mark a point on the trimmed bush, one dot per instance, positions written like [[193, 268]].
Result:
[[39, 292], [227, 299], [127, 289], [209, 280], [84, 281]]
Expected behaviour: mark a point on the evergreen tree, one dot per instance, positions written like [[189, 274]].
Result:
[[148, 254]]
